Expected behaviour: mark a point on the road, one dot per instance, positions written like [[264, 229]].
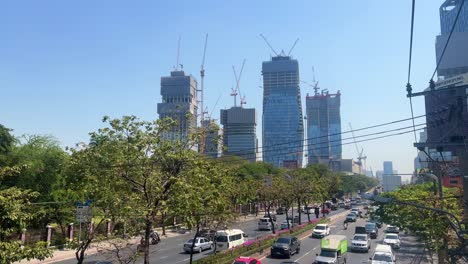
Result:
[[169, 250], [411, 251]]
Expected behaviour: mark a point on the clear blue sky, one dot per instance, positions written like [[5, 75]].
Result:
[[65, 64]]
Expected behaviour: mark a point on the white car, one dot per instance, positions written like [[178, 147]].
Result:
[[392, 239], [284, 224], [266, 224], [321, 230], [360, 242], [383, 255], [201, 244]]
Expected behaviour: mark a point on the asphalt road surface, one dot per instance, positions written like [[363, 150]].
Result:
[[411, 252], [170, 250]]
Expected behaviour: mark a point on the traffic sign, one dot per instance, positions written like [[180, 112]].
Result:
[[83, 214]]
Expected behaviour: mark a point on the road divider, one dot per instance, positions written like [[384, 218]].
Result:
[[259, 247]]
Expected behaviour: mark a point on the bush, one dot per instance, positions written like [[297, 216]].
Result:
[[251, 247]]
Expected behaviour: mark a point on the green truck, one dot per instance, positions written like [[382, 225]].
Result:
[[333, 250]]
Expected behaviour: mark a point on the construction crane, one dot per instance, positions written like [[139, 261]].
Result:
[[242, 99], [202, 77], [360, 157], [234, 94], [268, 43], [294, 45], [176, 68], [315, 83]]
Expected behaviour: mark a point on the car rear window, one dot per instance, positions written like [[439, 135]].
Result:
[[283, 240]]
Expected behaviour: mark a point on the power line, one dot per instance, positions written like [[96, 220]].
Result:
[[408, 84], [328, 135], [347, 143]]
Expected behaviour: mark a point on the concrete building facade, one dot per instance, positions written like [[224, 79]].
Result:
[[179, 102]]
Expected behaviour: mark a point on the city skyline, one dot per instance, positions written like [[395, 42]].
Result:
[[83, 66]]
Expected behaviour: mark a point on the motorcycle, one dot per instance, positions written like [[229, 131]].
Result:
[[155, 240]]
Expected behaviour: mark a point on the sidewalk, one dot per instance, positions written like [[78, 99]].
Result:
[[95, 248], [102, 247]]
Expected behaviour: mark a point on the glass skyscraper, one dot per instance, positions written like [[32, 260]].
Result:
[[455, 60], [239, 132], [283, 129], [448, 12], [323, 127]]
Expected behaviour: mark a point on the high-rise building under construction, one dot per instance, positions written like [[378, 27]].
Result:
[[323, 127], [179, 102], [239, 132], [283, 127]]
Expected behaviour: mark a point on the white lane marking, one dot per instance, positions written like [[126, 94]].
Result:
[[163, 257], [184, 260]]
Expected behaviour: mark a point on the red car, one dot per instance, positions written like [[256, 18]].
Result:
[[325, 210], [246, 260]]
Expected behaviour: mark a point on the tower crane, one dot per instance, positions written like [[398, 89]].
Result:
[[237, 90], [360, 154], [202, 77]]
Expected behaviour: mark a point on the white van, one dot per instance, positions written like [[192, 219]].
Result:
[[229, 238], [383, 254]]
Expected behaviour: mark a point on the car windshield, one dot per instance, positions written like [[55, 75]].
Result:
[[391, 237], [240, 262], [360, 238], [327, 254], [370, 226], [283, 240], [320, 227], [382, 257], [351, 215], [221, 239], [190, 241]]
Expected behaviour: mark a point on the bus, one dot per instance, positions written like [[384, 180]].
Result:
[[229, 238]]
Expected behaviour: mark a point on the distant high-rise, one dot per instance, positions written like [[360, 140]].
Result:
[[179, 102], [387, 167], [455, 60], [283, 129], [323, 127], [239, 132], [213, 138]]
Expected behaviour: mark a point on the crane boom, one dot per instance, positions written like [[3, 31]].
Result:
[[294, 45], [268, 43]]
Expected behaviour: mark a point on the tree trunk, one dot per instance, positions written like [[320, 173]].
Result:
[[163, 218], [267, 207], [193, 242], [308, 213], [148, 225], [299, 209]]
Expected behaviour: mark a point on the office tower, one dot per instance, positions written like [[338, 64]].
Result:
[[213, 138], [455, 60], [323, 127], [239, 132], [283, 129], [179, 102], [387, 167]]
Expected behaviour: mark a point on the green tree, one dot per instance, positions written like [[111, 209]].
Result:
[[433, 227], [148, 168], [203, 201], [15, 215]]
